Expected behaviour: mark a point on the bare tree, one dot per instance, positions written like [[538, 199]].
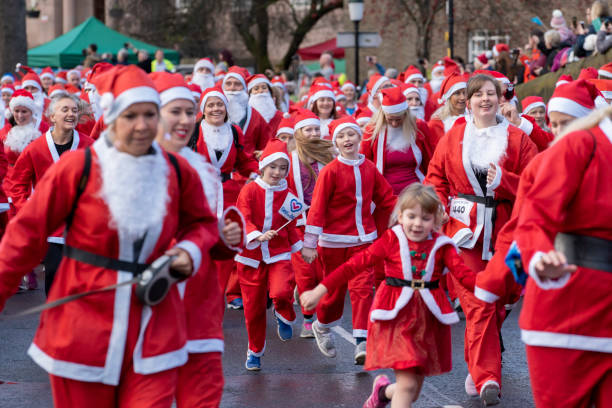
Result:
[[422, 13], [13, 41]]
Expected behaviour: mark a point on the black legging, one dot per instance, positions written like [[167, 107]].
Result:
[[51, 263]]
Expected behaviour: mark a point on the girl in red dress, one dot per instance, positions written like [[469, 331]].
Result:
[[409, 322]]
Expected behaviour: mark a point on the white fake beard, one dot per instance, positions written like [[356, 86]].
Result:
[[217, 137], [19, 137], [204, 81], [94, 101], [424, 94], [39, 100], [264, 104], [436, 83], [486, 146], [208, 175], [238, 102], [418, 112], [135, 190], [396, 141]]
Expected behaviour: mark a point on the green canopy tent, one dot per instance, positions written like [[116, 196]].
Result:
[[66, 50]]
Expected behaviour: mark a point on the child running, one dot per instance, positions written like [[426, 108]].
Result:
[[409, 323]]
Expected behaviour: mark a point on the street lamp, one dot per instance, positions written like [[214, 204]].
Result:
[[356, 15]]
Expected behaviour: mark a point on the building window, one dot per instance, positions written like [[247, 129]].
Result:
[[484, 40]]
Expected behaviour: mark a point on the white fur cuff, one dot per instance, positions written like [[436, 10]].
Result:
[[545, 284], [193, 251]]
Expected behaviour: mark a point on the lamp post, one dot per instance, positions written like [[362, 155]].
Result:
[[356, 15]]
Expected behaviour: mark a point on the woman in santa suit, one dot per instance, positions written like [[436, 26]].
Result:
[[222, 144], [36, 159], [260, 99], [452, 96], [322, 101], [110, 350], [475, 171]]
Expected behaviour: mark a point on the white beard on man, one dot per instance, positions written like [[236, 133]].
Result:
[[485, 146], [418, 112], [39, 99], [435, 83], [238, 103], [264, 104], [204, 81], [396, 140], [19, 137], [135, 189]]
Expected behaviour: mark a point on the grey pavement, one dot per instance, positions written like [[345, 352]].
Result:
[[294, 374]]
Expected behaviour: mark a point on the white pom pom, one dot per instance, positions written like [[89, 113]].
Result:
[[557, 13], [17, 67], [106, 100]]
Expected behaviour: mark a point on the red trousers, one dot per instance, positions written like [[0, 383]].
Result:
[[565, 378], [277, 278], [228, 279], [361, 291], [200, 381]]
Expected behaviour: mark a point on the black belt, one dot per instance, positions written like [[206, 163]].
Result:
[[102, 261], [583, 250], [225, 177], [414, 284], [488, 201]]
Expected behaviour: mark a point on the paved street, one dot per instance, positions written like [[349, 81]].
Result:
[[294, 374]]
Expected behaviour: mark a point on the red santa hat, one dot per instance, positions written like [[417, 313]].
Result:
[[501, 78], [347, 85], [450, 67], [321, 81], [84, 96], [532, 102], [97, 69], [195, 89], [8, 77], [31, 79], [210, 92], [58, 89], [604, 86], [122, 86], [72, 89], [239, 73], [339, 95], [499, 48], [410, 89], [392, 101], [319, 91], [576, 98], [564, 79], [171, 87], [588, 73], [286, 125], [339, 125], [450, 85], [7, 88], [305, 118], [375, 83], [258, 79], [204, 63], [60, 77], [412, 73], [274, 150], [278, 82], [483, 58], [47, 72], [24, 99], [605, 71], [438, 67]]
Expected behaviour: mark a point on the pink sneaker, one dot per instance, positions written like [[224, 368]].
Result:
[[373, 401]]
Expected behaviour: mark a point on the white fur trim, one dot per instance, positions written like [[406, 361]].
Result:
[[348, 85], [568, 106], [282, 319], [360, 333], [204, 62], [178, 92], [261, 353], [24, 101], [526, 126], [377, 85], [457, 87], [218, 95], [258, 81], [269, 159], [497, 179], [343, 126], [566, 341], [400, 107], [297, 246], [127, 98], [31, 82], [47, 75], [247, 261], [235, 76], [66, 369], [604, 73], [307, 122], [414, 76], [193, 251], [205, 346], [545, 284], [485, 295], [534, 105], [311, 229], [251, 238], [324, 93], [284, 130]]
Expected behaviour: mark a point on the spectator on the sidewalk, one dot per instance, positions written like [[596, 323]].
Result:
[[160, 64], [326, 62], [604, 37], [558, 23]]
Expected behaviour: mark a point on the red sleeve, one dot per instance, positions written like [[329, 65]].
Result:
[[3, 162], [22, 179], [540, 137], [458, 268], [366, 146], [98, 128], [423, 141], [436, 172], [509, 180], [246, 204], [360, 262]]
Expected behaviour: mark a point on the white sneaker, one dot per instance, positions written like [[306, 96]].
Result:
[[325, 340], [360, 353], [489, 394], [470, 387]]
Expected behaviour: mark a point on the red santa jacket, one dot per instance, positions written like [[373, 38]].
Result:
[[539, 136], [84, 340], [273, 124], [11, 155], [260, 203], [570, 193], [296, 183], [422, 150], [394, 249], [256, 131], [439, 127], [340, 211], [98, 128], [451, 174]]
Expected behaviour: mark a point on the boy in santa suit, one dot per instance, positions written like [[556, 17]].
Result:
[[260, 98], [265, 266], [111, 350], [341, 223]]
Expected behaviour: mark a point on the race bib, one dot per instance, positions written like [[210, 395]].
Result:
[[292, 207], [461, 209]]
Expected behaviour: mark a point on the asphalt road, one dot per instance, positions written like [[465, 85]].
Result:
[[294, 374]]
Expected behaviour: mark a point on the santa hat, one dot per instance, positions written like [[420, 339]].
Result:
[[576, 99], [450, 85], [239, 73], [412, 73], [60, 77], [319, 91], [588, 73], [258, 79], [171, 87], [100, 67], [274, 150], [58, 89], [410, 89], [339, 94], [84, 96], [392, 101], [47, 72], [375, 83], [286, 125], [604, 87], [339, 125], [347, 85], [204, 63], [321, 81], [501, 78], [305, 118], [122, 86], [214, 91], [7, 88], [483, 59], [605, 71], [195, 89], [450, 67], [438, 67], [72, 89], [73, 72], [499, 48], [564, 79], [278, 82], [557, 20], [25, 99], [31, 80], [219, 77], [7, 77], [532, 102]]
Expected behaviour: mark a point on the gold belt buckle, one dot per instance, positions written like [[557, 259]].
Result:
[[417, 284]]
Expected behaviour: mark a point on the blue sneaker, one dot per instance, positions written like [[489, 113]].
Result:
[[253, 363], [285, 331], [236, 304]]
